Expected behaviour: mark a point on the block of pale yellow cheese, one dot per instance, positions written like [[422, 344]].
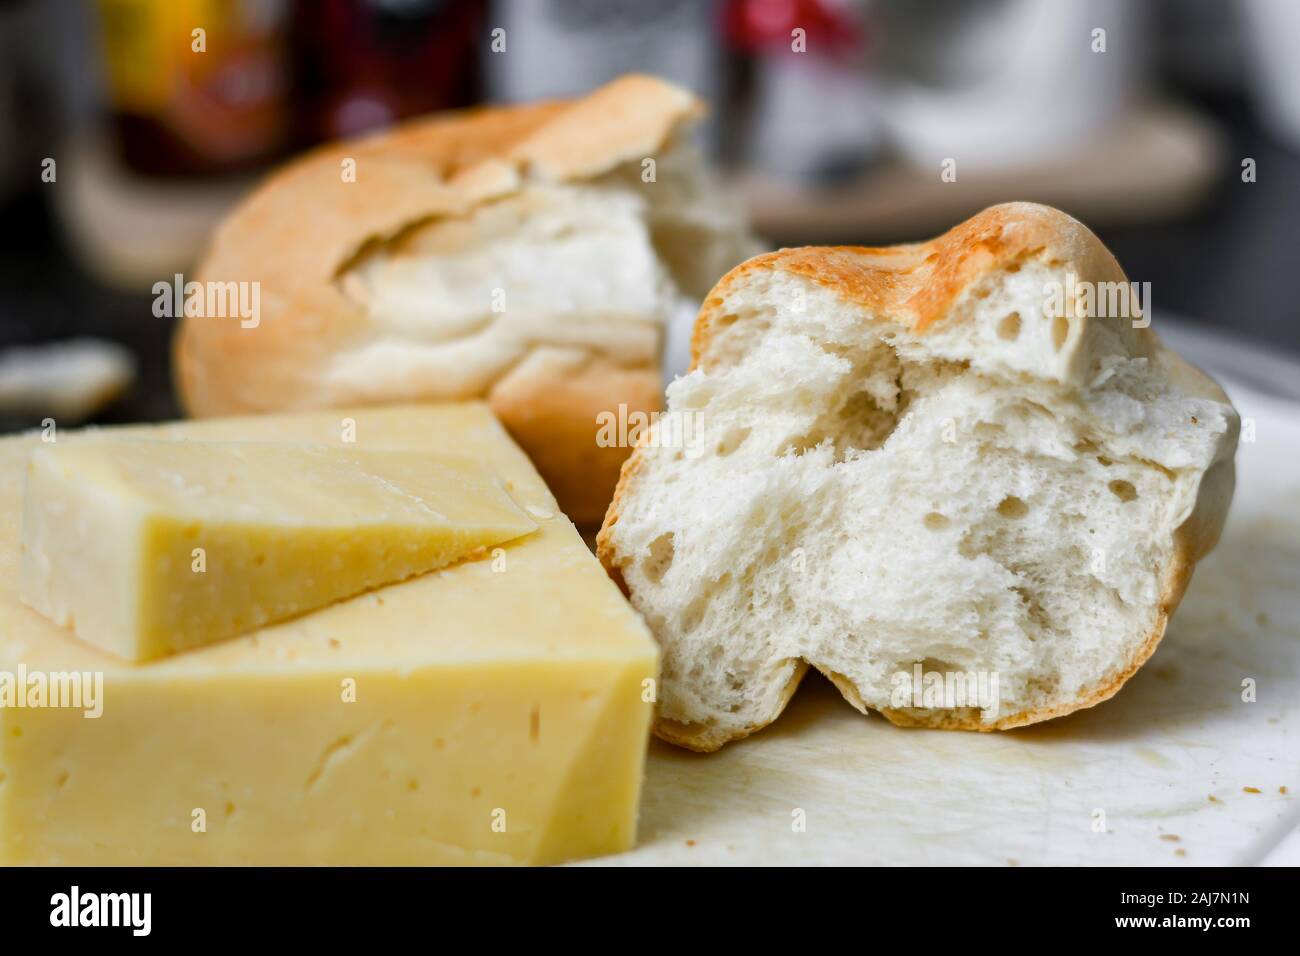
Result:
[[146, 547], [495, 711]]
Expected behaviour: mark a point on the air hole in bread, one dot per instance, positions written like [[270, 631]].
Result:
[[694, 613], [936, 521], [661, 557], [1123, 490], [733, 440], [1009, 327], [933, 665], [1012, 507], [861, 419], [729, 338], [1060, 331], [1043, 685], [1036, 617], [1167, 472], [859, 424]]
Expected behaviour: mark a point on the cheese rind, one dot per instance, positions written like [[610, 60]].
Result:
[[495, 711], [147, 548]]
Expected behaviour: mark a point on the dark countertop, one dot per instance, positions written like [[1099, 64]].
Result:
[[45, 295]]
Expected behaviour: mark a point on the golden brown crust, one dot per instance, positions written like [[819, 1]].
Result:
[[916, 285], [306, 224]]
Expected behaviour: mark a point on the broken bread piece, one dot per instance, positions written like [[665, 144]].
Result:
[[967, 458], [530, 255]]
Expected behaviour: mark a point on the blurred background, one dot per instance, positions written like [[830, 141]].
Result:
[[1172, 127]]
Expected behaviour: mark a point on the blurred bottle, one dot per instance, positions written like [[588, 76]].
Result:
[[364, 64], [196, 87], [811, 105]]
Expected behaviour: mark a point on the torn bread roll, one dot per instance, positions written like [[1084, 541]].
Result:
[[940, 458], [531, 255]]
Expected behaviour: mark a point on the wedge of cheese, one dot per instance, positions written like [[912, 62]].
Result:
[[492, 712], [147, 547]]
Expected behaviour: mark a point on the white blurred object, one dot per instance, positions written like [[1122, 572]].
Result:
[[817, 112], [793, 140], [1010, 82], [1273, 34], [67, 381], [128, 230], [559, 48]]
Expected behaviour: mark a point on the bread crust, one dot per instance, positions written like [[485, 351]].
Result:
[[915, 285], [302, 228]]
